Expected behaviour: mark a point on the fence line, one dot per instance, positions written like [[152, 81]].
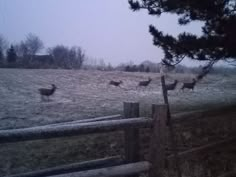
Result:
[[112, 117], [45, 132], [125, 169], [130, 124], [75, 167]]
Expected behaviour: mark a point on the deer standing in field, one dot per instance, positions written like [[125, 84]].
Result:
[[115, 83], [189, 85], [144, 83], [171, 86], [47, 92]]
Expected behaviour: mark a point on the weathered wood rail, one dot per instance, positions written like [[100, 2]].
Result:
[[46, 132], [113, 166], [87, 165], [130, 124], [113, 117], [121, 170]]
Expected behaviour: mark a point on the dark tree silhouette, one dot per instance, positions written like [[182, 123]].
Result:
[[141, 68], [11, 55], [147, 70], [1, 56], [127, 68], [3, 46], [66, 57], [218, 41]]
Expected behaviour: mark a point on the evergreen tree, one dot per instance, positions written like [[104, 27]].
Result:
[[1, 56], [11, 55], [127, 68], [218, 41]]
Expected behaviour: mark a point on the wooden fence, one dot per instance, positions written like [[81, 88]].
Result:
[[130, 124]]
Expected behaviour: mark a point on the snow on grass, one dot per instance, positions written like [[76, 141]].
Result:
[[83, 94]]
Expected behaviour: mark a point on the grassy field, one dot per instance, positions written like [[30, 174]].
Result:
[[86, 94], [83, 94]]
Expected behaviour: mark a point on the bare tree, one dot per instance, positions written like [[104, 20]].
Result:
[[27, 49], [3, 42], [33, 44], [23, 54], [3, 47], [22, 49], [76, 57]]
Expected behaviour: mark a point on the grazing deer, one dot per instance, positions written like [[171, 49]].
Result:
[[189, 85], [115, 83], [145, 83], [171, 86], [47, 92]]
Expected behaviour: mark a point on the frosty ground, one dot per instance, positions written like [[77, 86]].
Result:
[[83, 94]]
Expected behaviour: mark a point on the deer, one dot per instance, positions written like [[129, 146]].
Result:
[[189, 85], [171, 86], [115, 83], [47, 92], [145, 83]]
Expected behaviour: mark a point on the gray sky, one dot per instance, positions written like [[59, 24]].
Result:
[[105, 29]]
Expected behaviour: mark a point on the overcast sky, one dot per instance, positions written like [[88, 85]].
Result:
[[105, 29]]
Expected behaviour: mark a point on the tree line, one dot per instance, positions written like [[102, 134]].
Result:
[[26, 54]]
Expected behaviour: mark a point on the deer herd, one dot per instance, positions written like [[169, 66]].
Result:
[[172, 86], [45, 92]]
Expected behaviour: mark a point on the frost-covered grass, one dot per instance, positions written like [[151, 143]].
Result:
[[83, 94]]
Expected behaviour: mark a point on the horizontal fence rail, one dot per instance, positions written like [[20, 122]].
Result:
[[112, 117], [130, 123], [44, 132], [121, 170], [75, 167]]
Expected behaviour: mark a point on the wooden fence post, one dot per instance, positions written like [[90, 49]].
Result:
[[157, 141], [131, 110]]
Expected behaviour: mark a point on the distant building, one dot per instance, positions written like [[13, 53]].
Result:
[[43, 59]]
